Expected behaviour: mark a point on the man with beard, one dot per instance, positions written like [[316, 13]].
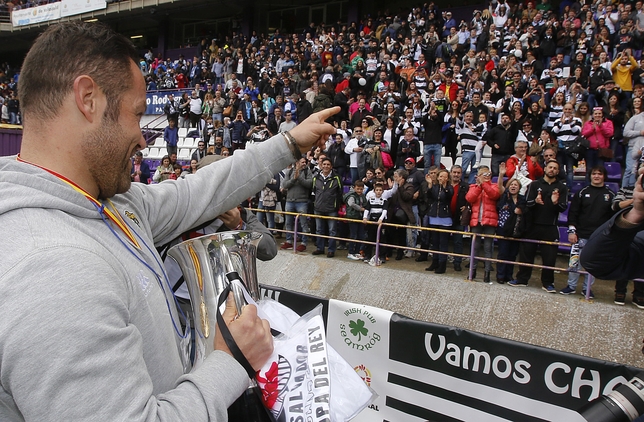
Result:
[[501, 140], [327, 188], [545, 199], [80, 277]]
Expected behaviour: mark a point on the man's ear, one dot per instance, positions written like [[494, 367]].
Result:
[[87, 95]]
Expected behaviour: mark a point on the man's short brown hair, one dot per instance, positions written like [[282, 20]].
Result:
[[70, 49]]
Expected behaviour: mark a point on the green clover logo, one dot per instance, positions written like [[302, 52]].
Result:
[[358, 329]]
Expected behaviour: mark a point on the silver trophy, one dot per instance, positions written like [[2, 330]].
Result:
[[206, 263]]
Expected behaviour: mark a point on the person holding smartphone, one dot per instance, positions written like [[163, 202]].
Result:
[[482, 196]]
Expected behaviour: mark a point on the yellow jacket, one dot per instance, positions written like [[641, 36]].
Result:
[[622, 75]]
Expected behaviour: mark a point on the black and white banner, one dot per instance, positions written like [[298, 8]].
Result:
[[431, 372]]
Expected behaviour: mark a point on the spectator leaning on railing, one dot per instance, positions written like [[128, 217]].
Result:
[[589, 209], [298, 182], [545, 199]]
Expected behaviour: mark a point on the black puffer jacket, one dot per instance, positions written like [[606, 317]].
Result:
[[440, 199]]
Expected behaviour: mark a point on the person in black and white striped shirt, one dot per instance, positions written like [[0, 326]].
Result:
[[469, 135], [555, 110], [567, 129]]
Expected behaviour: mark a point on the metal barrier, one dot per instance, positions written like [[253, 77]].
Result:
[[472, 256]]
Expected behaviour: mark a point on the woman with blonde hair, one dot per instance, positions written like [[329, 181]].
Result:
[[583, 112], [208, 105]]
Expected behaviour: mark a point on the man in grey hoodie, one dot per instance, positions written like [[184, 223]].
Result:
[[88, 326]]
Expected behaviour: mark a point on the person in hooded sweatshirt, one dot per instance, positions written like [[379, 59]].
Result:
[[88, 328]]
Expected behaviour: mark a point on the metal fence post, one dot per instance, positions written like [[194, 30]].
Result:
[[377, 255], [297, 219], [589, 282], [472, 254]]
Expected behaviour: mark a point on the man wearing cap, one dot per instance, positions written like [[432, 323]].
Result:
[[609, 88], [449, 23], [449, 87], [344, 83]]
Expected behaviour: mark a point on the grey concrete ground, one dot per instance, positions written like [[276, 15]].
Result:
[[598, 329]]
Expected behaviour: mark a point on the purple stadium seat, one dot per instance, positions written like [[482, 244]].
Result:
[[563, 217], [614, 171], [577, 185], [563, 237], [614, 186]]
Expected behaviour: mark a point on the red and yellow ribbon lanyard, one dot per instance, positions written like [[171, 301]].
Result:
[[111, 214]]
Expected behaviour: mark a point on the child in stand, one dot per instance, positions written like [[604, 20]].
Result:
[[480, 130], [355, 201], [376, 212], [369, 179], [176, 171]]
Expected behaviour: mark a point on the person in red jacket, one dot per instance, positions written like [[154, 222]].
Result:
[[449, 86], [598, 131], [522, 162], [482, 196]]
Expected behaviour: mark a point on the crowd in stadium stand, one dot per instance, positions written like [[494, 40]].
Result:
[[542, 106], [8, 6]]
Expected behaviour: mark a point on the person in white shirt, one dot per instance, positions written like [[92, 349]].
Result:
[[354, 148]]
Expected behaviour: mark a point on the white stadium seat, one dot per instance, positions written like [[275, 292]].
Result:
[[180, 143], [153, 153], [183, 131], [159, 142], [184, 154]]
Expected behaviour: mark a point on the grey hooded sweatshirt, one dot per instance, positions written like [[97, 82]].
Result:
[[86, 330]]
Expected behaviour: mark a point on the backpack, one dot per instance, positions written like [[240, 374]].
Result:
[[321, 102], [576, 148], [348, 211]]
